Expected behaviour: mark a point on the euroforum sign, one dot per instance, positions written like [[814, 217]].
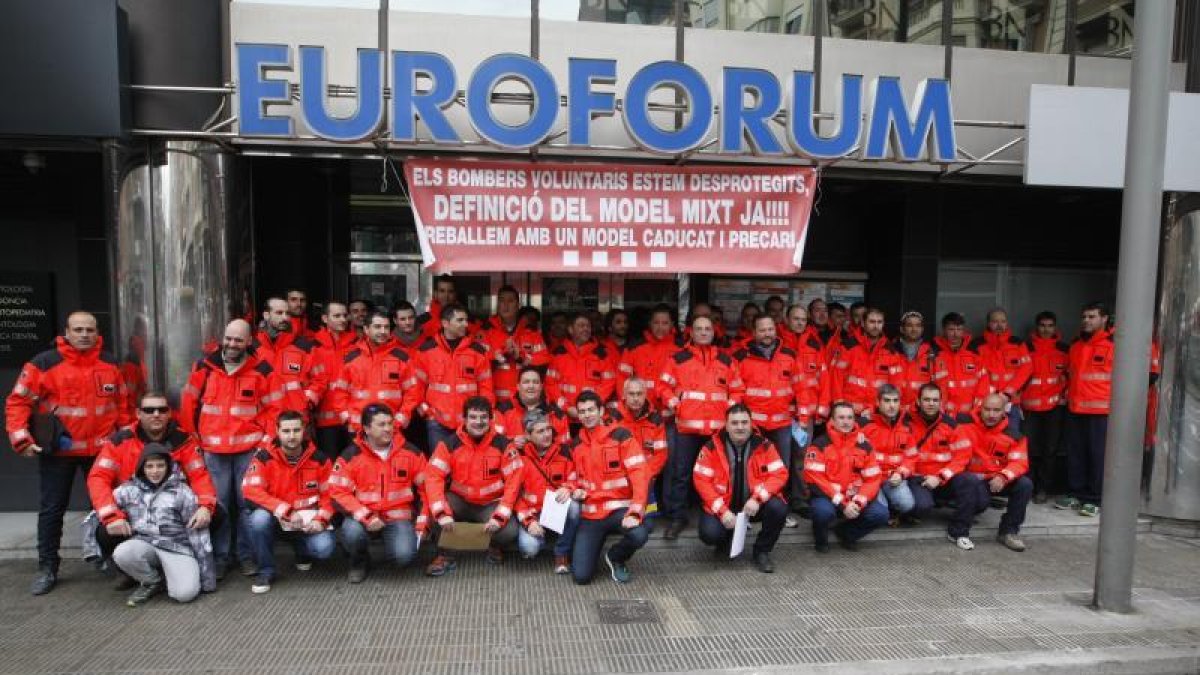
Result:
[[877, 122]]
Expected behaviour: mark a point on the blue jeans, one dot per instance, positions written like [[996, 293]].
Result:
[[782, 440], [227, 471], [897, 499], [589, 539], [680, 463], [1019, 492], [824, 513], [530, 545], [263, 530], [399, 541]]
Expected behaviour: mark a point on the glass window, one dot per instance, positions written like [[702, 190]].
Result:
[[1011, 25], [752, 16], [865, 19], [640, 12], [1104, 28]]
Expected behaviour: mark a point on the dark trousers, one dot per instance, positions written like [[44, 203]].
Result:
[[331, 441], [1085, 456], [1044, 431], [771, 515], [824, 513], [417, 433], [680, 463], [56, 475], [589, 539], [782, 440], [436, 433], [963, 488], [1018, 492]]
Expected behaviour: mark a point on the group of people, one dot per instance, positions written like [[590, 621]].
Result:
[[397, 427]]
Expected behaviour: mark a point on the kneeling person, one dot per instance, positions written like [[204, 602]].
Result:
[[739, 467], [1000, 459], [485, 478], [287, 486], [375, 483], [844, 478], [546, 465], [614, 481], [895, 450], [162, 553]]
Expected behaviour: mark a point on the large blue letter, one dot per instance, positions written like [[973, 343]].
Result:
[[681, 77], [255, 91], [909, 133], [582, 103], [801, 127], [408, 105], [370, 96], [501, 68], [736, 119]]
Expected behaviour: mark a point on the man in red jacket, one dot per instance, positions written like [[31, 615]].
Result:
[[80, 389], [1044, 401], [613, 487], [1006, 359], [844, 478], [916, 355], [943, 452], [513, 345], [118, 461], [546, 466], [228, 402], [297, 310], [958, 367], [292, 356], [580, 364], [867, 362], [377, 370], [1000, 459], [1089, 395], [739, 468], [287, 489], [375, 483], [334, 342], [451, 368], [895, 450], [646, 357], [509, 419], [444, 294], [484, 477]]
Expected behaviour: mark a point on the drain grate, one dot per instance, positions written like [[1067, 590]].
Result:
[[627, 611]]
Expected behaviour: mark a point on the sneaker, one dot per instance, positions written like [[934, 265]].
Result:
[[791, 521], [249, 568], [304, 564], [1089, 510], [763, 562], [1012, 542], [124, 582], [1066, 502], [44, 582], [562, 564], [262, 584], [964, 543], [441, 564], [495, 555], [620, 573], [357, 574], [143, 593]]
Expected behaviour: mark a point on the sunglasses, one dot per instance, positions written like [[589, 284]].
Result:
[[161, 410]]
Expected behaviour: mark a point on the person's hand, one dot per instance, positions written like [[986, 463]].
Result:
[[296, 521], [520, 440], [314, 526], [728, 520], [447, 526], [375, 524], [561, 495], [630, 522], [535, 530], [931, 482], [119, 528], [851, 510], [579, 494], [31, 450], [491, 527], [996, 484], [200, 519], [895, 479], [751, 507]]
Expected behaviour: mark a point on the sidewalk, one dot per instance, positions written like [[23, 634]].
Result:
[[911, 606]]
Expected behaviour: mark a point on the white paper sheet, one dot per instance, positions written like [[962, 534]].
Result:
[[554, 515], [739, 535]]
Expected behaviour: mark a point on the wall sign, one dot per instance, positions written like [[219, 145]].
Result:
[[26, 316]]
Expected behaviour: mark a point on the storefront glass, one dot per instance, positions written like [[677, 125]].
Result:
[[1104, 28], [752, 16]]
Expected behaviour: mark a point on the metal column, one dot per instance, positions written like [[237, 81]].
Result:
[[1141, 215]]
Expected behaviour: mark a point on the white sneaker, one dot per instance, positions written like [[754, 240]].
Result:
[[304, 566], [964, 543], [791, 521]]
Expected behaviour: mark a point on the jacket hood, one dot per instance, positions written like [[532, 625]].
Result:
[[149, 451]]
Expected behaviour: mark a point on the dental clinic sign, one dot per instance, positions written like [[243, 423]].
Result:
[[877, 121]]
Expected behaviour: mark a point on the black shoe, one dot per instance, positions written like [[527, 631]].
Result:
[[44, 582], [763, 562], [822, 546], [144, 592], [357, 575], [124, 582], [249, 568], [222, 570], [674, 529]]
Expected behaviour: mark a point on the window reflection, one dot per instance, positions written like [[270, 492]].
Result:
[[1012, 25], [752, 16], [1104, 28], [642, 12]]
